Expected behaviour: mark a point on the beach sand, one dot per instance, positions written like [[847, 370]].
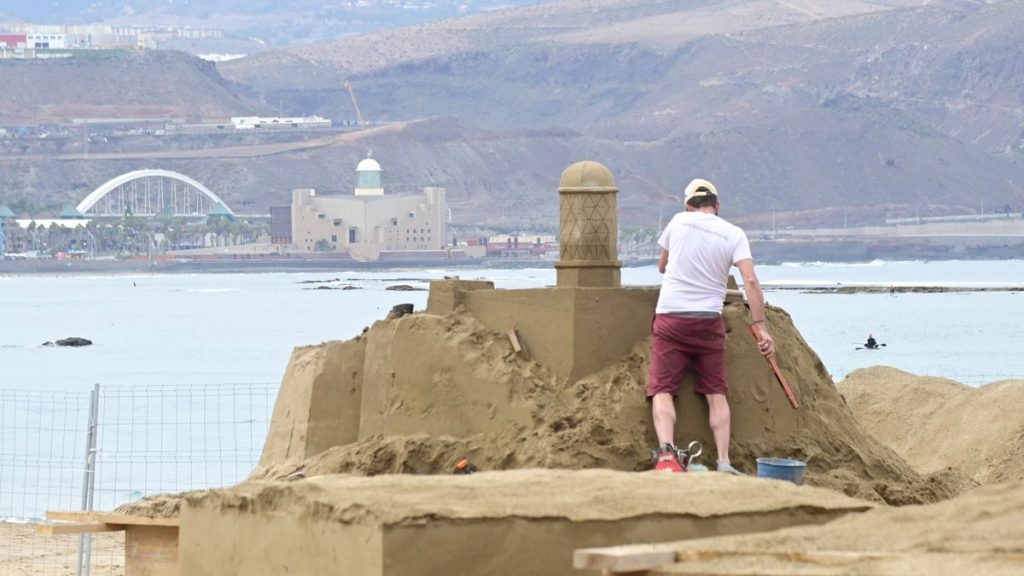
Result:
[[25, 553]]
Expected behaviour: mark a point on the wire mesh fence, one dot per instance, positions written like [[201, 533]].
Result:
[[148, 440]]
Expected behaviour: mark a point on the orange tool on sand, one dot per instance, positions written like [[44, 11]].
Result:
[[778, 374], [464, 466]]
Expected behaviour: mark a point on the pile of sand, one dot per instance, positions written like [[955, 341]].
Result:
[[981, 532], [156, 505], [934, 423], [435, 389]]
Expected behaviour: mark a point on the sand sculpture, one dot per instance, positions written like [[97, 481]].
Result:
[[417, 393]]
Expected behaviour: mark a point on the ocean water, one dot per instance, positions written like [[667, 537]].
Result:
[[199, 329], [189, 365]]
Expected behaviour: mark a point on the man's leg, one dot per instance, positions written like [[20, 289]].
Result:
[[663, 411], [720, 420]]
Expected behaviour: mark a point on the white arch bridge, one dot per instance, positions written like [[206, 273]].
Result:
[[149, 193]]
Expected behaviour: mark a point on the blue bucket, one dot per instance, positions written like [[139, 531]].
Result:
[[781, 469]]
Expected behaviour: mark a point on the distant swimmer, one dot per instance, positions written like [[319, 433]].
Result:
[[871, 344]]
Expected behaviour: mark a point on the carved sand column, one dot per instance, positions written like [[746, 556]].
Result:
[[588, 227]]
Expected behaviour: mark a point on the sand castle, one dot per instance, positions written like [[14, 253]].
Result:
[[543, 390], [417, 393]]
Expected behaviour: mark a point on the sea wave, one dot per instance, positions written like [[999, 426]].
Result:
[[820, 264]]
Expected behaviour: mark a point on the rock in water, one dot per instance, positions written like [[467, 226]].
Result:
[[74, 341]]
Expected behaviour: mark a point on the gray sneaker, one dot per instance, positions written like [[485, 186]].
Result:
[[728, 469]]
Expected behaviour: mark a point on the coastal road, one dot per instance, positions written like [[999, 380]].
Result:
[[253, 151]]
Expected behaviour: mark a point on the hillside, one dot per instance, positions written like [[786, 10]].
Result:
[[867, 108], [122, 85], [810, 103]]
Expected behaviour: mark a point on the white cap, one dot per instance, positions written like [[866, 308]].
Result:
[[699, 187]]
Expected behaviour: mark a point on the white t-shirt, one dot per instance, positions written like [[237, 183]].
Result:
[[701, 249]]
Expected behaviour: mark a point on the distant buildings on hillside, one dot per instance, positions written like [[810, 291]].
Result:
[[370, 226], [21, 40]]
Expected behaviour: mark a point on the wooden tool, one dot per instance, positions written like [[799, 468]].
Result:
[[778, 374]]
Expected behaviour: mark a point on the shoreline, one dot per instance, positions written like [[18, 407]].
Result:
[[77, 267], [887, 289], [48, 267]]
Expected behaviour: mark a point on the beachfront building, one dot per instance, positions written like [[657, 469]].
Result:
[[369, 224], [13, 41], [47, 41], [279, 122]]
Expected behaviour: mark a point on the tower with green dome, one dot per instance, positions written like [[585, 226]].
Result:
[[368, 178]]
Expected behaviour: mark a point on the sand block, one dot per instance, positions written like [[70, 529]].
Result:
[[448, 294], [981, 532], [495, 523], [319, 402]]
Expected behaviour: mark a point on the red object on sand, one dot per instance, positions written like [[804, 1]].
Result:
[[778, 374], [667, 461]]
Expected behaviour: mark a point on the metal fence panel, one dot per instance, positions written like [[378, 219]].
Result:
[[149, 440]]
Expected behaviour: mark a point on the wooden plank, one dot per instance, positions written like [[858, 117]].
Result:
[[109, 518], [514, 338], [77, 528], [643, 558], [623, 558], [831, 557], [518, 346], [820, 557]]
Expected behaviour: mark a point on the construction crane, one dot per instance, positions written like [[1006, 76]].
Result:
[[355, 103]]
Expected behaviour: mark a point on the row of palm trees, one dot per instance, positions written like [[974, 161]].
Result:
[[130, 236]]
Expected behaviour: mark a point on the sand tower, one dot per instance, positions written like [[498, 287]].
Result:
[[588, 227]]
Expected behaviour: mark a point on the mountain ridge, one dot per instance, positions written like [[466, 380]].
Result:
[[888, 109]]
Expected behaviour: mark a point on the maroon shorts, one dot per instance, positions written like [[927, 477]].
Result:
[[678, 340]]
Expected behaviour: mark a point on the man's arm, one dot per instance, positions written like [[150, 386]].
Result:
[[755, 298], [663, 262]]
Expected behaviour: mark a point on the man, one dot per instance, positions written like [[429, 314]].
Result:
[[871, 344], [698, 250]]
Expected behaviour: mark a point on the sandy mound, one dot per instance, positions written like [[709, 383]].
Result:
[[582, 495], [981, 532], [438, 388], [156, 505], [934, 423]]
